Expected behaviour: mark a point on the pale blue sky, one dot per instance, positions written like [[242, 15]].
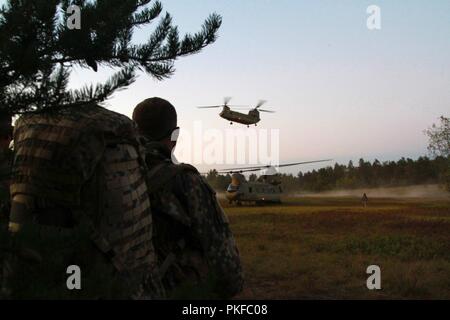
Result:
[[340, 90]]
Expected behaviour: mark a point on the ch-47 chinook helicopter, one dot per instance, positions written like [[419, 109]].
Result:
[[252, 117], [265, 190]]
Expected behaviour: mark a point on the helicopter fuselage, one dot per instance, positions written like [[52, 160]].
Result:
[[240, 190], [266, 189], [244, 118]]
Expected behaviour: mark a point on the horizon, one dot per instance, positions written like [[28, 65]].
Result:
[[315, 167]]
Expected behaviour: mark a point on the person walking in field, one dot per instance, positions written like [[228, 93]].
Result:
[[364, 200]]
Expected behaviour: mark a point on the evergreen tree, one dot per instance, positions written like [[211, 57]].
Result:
[[38, 50]]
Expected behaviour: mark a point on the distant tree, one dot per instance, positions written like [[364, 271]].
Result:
[[439, 138], [223, 181], [365, 173], [439, 145], [377, 169], [423, 170], [338, 171], [218, 181], [212, 175], [38, 50]]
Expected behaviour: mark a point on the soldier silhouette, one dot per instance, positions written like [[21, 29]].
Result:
[[196, 249], [364, 200]]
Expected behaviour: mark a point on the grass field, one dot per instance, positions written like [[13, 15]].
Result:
[[320, 247]]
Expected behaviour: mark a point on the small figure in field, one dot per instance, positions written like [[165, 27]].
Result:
[[364, 200]]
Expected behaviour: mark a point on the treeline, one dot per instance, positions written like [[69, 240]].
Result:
[[362, 175]]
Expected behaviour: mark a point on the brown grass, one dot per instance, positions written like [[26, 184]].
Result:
[[309, 248]]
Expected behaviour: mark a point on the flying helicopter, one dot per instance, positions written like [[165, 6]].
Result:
[[265, 190], [250, 118]]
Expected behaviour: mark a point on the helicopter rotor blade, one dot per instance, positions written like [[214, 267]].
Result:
[[238, 171], [242, 170], [299, 163], [256, 168], [209, 107], [263, 110], [230, 106], [226, 100], [260, 103], [241, 107]]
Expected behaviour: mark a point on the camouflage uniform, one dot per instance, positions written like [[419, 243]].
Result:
[[196, 249], [5, 172], [82, 166]]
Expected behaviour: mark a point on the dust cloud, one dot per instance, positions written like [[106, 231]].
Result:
[[417, 191]]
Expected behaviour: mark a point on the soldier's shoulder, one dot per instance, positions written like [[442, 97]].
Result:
[[167, 168], [174, 176], [190, 178], [188, 173], [185, 168]]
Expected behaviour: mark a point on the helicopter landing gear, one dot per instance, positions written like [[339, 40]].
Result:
[[256, 124], [231, 123], [248, 126]]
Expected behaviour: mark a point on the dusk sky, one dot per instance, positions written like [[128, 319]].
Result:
[[340, 90]]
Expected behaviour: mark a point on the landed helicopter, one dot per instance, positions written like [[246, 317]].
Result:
[[250, 118], [265, 190]]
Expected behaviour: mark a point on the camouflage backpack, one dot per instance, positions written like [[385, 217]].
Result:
[[81, 170]]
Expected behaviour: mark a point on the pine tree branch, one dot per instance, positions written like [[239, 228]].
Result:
[[37, 50]]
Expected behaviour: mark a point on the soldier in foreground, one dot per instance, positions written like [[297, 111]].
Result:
[[79, 197], [195, 247]]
